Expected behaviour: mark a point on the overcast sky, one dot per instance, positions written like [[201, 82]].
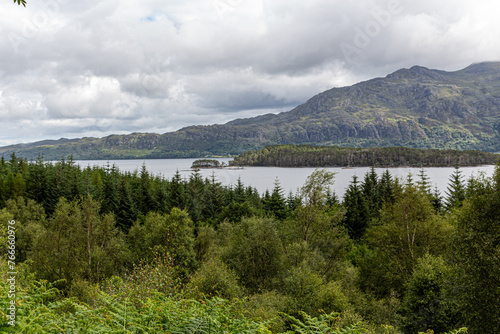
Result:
[[92, 68]]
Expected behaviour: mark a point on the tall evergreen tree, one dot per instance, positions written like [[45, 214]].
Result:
[[423, 183], [371, 192], [386, 187], [196, 189], [177, 192], [357, 210], [455, 191], [239, 192], [146, 201], [276, 203], [127, 211], [111, 198], [213, 198]]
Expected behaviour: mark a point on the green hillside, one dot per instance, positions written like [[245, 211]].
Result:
[[416, 107]]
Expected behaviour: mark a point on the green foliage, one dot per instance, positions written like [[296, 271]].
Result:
[[477, 254], [216, 279], [255, 252], [427, 304], [235, 212], [173, 231], [334, 156], [335, 323], [78, 242], [455, 191], [357, 214], [407, 230], [20, 2], [127, 261]]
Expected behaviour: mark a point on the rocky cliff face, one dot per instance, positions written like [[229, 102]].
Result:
[[415, 107]]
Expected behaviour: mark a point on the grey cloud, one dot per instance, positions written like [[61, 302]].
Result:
[[93, 68]]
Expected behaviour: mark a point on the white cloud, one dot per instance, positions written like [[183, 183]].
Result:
[[86, 68]]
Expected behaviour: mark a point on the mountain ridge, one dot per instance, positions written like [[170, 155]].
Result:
[[416, 107]]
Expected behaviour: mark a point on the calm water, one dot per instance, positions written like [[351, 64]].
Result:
[[290, 179]]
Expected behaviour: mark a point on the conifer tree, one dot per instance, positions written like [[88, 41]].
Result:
[[423, 183], [127, 211], [357, 210], [177, 192], [146, 201], [386, 187], [239, 192], [276, 203], [371, 192], [196, 188], [19, 186], [111, 198], [455, 191], [213, 197]]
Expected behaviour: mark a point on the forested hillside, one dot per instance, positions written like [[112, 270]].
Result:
[[99, 250], [416, 107], [334, 156]]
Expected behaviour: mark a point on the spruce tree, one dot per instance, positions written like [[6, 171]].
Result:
[[455, 191], [357, 210], [146, 201], [213, 197], [111, 198], [276, 203], [127, 211], [196, 189], [177, 192], [386, 187], [371, 193], [423, 183]]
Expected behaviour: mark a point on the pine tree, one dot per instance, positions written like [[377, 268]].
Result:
[[239, 192], [213, 198], [371, 192], [423, 183], [196, 189], [455, 191], [357, 210], [111, 198], [386, 188], [437, 200], [127, 211], [276, 203], [293, 201], [146, 201], [177, 193], [19, 185]]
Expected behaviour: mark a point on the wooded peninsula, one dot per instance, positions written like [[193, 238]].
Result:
[[335, 156]]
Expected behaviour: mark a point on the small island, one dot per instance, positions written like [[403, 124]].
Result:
[[207, 163]]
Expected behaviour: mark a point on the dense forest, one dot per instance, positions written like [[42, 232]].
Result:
[[334, 156], [97, 250]]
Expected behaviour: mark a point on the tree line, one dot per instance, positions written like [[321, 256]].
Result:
[[391, 256], [334, 156]]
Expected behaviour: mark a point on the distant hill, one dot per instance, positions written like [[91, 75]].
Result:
[[416, 107]]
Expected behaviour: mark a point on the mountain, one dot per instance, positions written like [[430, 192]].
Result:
[[416, 107]]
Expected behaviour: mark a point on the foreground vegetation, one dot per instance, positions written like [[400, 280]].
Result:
[[98, 250], [334, 156]]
